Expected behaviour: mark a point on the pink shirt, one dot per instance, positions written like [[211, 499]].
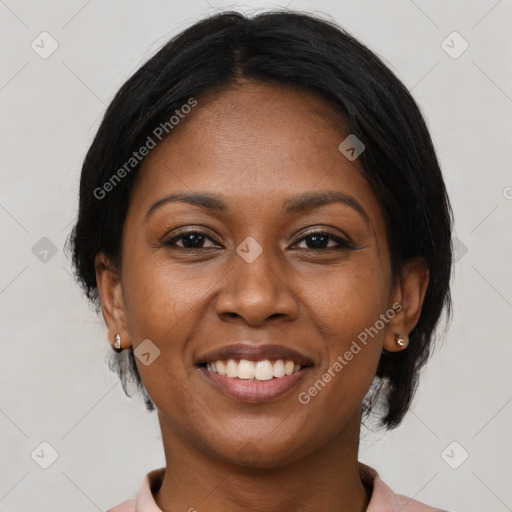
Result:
[[383, 499]]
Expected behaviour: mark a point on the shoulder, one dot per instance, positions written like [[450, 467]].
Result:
[[383, 498], [126, 506], [144, 502], [409, 505]]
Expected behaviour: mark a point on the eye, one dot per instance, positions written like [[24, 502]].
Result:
[[190, 240], [321, 239]]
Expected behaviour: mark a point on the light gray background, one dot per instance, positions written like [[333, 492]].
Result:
[[55, 385]]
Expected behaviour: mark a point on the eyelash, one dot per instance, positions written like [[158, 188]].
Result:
[[342, 244]]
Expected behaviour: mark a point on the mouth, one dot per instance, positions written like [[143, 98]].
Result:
[[254, 372], [254, 381], [245, 369]]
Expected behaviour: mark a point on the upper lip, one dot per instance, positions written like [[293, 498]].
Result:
[[254, 352]]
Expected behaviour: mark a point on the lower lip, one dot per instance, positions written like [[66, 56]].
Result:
[[252, 390]]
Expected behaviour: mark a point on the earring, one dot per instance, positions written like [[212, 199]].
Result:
[[117, 343], [399, 340]]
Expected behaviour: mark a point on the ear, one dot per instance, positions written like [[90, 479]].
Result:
[[408, 291], [112, 300]]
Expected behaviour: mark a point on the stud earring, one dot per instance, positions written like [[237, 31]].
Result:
[[399, 340], [117, 343]]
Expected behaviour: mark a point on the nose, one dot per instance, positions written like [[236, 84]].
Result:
[[256, 292]]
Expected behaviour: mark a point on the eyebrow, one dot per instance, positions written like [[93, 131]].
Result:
[[297, 204]]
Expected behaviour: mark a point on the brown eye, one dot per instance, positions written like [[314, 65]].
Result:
[[321, 240], [189, 240]]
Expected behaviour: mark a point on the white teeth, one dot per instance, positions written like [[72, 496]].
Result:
[[263, 370], [221, 368], [259, 370], [246, 369], [279, 368], [232, 369], [288, 367]]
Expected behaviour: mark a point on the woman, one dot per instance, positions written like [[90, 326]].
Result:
[[264, 225]]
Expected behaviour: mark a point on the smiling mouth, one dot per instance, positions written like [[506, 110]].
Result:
[[254, 381], [245, 369]]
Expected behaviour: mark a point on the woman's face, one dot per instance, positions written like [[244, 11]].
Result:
[[254, 274]]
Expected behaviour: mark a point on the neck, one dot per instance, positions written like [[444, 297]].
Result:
[[327, 479]]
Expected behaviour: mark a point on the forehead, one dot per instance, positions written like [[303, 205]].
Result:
[[254, 143]]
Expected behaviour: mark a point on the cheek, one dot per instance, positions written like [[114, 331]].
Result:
[[161, 304], [162, 299], [347, 309], [349, 300], [164, 304]]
